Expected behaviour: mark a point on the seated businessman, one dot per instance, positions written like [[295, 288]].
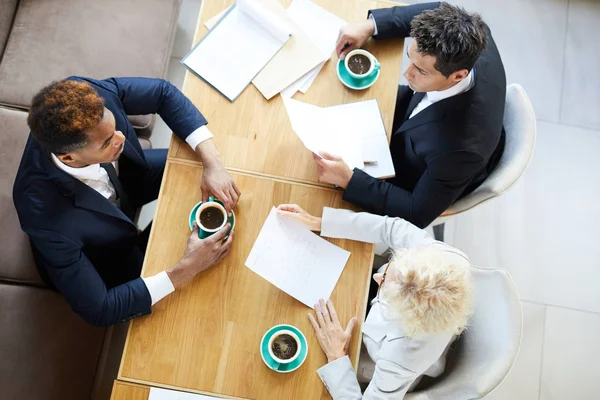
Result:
[[447, 134], [83, 175]]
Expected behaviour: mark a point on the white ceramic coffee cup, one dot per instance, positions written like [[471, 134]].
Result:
[[366, 54], [275, 336], [206, 205]]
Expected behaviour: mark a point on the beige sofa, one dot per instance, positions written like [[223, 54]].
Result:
[[48, 352]]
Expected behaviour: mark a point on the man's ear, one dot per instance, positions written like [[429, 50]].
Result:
[[66, 158], [459, 75]]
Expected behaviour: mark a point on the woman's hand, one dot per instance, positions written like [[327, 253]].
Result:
[[334, 340], [295, 212]]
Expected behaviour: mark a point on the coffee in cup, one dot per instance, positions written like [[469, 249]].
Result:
[[211, 216], [360, 63], [284, 346]]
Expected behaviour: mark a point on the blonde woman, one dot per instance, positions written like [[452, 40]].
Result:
[[423, 301]]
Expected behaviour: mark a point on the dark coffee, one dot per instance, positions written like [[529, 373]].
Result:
[[284, 347], [211, 218], [359, 64]]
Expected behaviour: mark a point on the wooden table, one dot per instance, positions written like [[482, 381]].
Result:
[[255, 135], [205, 337]]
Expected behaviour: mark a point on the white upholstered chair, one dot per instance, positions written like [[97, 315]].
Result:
[[483, 355], [520, 130]]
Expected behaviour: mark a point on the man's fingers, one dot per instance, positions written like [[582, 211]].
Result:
[[195, 230], [237, 190], [205, 193], [333, 313], [234, 197], [224, 197], [343, 45], [313, 322], [219, 235], [353, 322]]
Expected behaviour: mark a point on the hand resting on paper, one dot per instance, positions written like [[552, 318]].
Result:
[[353, 36], [332, 169], [332, 337], [295, 212]]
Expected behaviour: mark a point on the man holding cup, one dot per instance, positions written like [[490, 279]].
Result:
[[82, 177], [447, 134]]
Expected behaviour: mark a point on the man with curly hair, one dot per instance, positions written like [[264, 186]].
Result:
[[82, 177], [447, 134]]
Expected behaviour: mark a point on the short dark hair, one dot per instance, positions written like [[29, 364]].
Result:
[[455, 37], [62, 113]]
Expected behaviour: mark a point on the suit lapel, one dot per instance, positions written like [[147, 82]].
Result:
[[84, 196], [414, 101], [432, 113]]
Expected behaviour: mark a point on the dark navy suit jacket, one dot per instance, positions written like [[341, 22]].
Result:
[[445, 151], [84, 246]]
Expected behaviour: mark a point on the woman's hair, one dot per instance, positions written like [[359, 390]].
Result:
[[434, 293]]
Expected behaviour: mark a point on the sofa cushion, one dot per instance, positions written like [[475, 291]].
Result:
[[47, 351], [7, 13], [17, 260], [52, 40]]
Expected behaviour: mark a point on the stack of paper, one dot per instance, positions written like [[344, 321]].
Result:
[[322, 27], [297, 64], [302, 264], [238, 47], [352, 131]]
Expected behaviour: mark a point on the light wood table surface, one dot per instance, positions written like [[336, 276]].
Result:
[[255, 135], [205, 337]]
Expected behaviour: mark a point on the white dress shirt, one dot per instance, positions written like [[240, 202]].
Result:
[[96, 177], [392, 362]]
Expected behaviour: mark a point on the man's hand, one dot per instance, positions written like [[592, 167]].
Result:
[[334, 340], [215, 178], [295, 212], [353, 36], [200, 254], [332, 169]]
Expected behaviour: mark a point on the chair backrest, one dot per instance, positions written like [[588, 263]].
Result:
[[483, 355], [520, 129]]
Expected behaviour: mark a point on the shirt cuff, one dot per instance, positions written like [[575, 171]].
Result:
[[159, 286], [374, 24], [198, 136]]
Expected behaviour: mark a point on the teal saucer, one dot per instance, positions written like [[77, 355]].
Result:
[[356, 83], [201, 233], [283, 368]]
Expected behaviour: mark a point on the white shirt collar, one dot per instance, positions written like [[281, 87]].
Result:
[[91, 172], [459, 88]]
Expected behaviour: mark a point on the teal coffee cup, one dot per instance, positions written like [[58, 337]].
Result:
[[211, 217]]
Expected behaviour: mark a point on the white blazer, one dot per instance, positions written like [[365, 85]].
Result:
[[391, 361]]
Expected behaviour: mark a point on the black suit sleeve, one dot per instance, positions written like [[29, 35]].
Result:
[[76, 278], [441, 184], [394, 22]]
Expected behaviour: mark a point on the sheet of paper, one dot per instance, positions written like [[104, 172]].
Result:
[[164, 394], [291, 257], [321, 130], [299, 55], [238, 47], [353, 131], [321, 26]]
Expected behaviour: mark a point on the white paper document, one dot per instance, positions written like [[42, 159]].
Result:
[[291, 257], [322, 27], [164, 394], [352, 131], [238, 47]]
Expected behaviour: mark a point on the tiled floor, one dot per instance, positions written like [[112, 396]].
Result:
[[543, 231]]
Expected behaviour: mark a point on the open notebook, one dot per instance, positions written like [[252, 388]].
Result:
[[352, 131], [238, 47]]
